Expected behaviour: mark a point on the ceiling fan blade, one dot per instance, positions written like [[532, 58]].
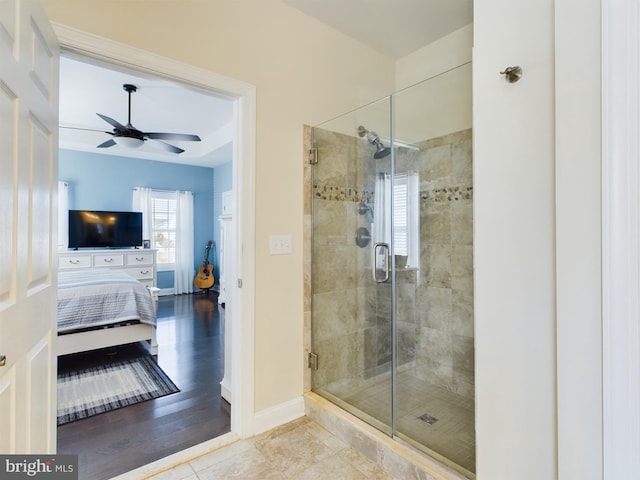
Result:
[[110, 121], [86, 129], [168, 147], [108, 143], [173, 136]]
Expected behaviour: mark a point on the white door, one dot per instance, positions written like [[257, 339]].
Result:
[[28, 182]]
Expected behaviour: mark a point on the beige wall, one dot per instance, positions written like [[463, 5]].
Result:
[[444, 54], [304, 72]]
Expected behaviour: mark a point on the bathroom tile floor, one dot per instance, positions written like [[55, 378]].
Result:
[[299, 450], [451, 435]]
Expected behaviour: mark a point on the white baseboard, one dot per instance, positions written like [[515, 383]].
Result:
[[225, 389], [280, 414]]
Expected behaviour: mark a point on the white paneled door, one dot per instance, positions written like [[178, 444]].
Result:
[[29, 59]]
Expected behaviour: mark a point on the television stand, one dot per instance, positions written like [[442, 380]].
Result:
[[141, 265]]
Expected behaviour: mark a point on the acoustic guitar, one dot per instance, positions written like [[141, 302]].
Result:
[[204, 278]]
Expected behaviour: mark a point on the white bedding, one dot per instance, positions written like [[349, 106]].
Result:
[[96, 297]]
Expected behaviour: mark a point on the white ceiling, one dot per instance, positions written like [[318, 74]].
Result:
[[394, 27], [157, 106]]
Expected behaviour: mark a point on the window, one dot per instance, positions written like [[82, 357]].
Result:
[[400, 216], [164, 227], [167, 221]]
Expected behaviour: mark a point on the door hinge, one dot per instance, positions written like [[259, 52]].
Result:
[[313, 156], [239, 283], [313, 361]]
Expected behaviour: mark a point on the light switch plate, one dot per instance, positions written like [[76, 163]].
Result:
[[280, 245]]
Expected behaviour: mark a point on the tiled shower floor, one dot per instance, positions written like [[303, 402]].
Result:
[[451, 435]]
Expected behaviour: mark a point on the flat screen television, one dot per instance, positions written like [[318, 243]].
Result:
[[98, 229]]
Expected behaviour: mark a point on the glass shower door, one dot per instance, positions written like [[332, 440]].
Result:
[[433, 227], [351, 323]]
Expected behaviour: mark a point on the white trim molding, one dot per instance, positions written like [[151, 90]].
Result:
[[241, 309], [620, 237], [578, 224], [278, 415]]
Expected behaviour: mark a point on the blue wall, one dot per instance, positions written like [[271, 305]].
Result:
[[105, 182]]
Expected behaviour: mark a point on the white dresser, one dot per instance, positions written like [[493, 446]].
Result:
[[139, 263]]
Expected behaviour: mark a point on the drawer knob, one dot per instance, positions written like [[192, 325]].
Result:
[[74, 261], [139, 259], [144, 272], [108, 260]]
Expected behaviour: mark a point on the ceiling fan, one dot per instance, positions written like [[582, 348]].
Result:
[[129, 136]]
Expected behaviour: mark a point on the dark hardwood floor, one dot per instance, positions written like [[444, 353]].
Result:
[[190, 351]]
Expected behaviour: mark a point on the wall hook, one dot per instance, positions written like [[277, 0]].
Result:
[[512, 74]]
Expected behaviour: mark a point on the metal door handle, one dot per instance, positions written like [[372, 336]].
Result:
[[3, 360], [385, 262]]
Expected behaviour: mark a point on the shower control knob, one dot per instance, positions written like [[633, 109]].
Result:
[[363, 237]]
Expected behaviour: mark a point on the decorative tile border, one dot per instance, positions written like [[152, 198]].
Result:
[[448, 194], [342, 194]]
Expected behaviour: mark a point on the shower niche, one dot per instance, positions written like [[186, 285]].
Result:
[[392, 266]]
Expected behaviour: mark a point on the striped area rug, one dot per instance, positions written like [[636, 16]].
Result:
[[90, 391]]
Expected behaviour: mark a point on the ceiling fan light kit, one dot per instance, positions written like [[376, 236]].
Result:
[[129, 142]]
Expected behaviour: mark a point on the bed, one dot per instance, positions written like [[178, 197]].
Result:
[[100, 308]]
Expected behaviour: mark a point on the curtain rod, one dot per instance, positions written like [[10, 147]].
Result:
[[164, 191]]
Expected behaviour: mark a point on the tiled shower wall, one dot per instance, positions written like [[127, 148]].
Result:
[[435, 304], [351, 317], [341, 306]]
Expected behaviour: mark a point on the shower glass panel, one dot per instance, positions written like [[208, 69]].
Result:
[[433, 220], [392, 266], [351, 310]]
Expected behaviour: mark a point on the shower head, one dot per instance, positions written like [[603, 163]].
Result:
[[381, 151], [372, 138]]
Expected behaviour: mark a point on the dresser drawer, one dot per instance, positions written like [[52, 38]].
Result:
[[140, 273], [108, 260], [138, 259], [66, 262]]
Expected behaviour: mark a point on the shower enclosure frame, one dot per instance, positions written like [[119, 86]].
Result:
[[390, 425]]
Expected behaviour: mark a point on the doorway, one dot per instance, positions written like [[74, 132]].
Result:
[[239, 302]]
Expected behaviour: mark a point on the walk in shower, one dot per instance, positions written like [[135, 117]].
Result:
[[392, 267]]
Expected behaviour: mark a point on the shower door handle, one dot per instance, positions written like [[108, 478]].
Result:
[[384, 263]]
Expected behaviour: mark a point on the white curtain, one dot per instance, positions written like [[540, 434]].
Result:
[[63, 215], [402, 193], [143, 202], [382, 209], [185, 271], [381, 228], [413, 220]]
